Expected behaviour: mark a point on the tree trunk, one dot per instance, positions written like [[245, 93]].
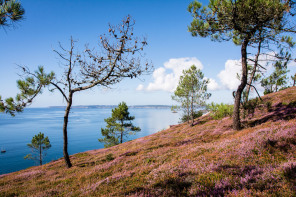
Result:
[[250, 82], [40, 154], [65, 132], [254, 71], [238, 95], [121, 138], [188, 109], [121, 133], [192, 115], [188, 114]]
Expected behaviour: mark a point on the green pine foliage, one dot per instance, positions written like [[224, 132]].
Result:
[[246, 23], [119, 125], [293, 77], [29, 88], [39, 145], [191, 92], [10, 11], [185, 117], [250, 106], [276, 80]]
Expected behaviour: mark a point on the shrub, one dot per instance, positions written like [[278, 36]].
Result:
[[283, 88], [221, 110], [185, 117], [267, 91], [285, 104], [250, 106], [109, 157], [269, 105]]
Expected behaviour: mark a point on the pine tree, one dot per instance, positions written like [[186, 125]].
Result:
[[278, 78], [191, 92], [39, 145], [244, 22], [119, 125], [12, 11]]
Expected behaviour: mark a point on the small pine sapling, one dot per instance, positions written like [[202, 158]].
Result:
[[39, 145]]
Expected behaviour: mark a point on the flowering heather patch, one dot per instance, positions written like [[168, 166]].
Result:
[[208, 159], [289, 172], [28, 174], [3, 175]]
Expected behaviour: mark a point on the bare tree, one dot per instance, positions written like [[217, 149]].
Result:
[[119, 57]]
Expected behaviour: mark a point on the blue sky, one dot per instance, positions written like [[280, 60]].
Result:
[[164, 24]]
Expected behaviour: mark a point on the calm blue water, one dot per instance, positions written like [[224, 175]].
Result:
[[84, 129]]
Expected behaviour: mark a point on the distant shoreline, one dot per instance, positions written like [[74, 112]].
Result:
[[113, 106]]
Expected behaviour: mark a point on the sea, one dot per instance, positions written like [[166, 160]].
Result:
[[84, 129]]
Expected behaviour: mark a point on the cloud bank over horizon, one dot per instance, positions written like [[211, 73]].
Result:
[[166, 78]]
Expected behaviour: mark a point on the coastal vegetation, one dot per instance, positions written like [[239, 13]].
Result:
[[120, 52], [191, 93], [243, 149], [196, 114], [277, 80], [39, 145], [247, 23], [209, 159], [11, 12], [119, 126], [220, 110]]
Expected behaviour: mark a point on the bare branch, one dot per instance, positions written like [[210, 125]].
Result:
[[61, 55], [61, 91], [256, 91]]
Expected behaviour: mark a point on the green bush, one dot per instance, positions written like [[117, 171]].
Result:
[[109, 157], [250, 106], [185, 117], [269, 105], [218, 111], [283, 88], [267, 91]]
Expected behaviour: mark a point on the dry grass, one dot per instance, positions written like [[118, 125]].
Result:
[[209, 159]]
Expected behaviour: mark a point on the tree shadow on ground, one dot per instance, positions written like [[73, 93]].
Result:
[[279, 112]]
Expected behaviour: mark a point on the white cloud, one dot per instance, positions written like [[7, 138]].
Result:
[[228, 76], [166, 78], [179, 64], [140, 87], [292, 64], [213, 85]]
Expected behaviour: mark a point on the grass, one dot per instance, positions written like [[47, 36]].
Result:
[[208, 159]]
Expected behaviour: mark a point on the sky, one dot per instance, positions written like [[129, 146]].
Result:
[[171, 48]]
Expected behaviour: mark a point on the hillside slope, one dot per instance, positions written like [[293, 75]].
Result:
[[208, 159]]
